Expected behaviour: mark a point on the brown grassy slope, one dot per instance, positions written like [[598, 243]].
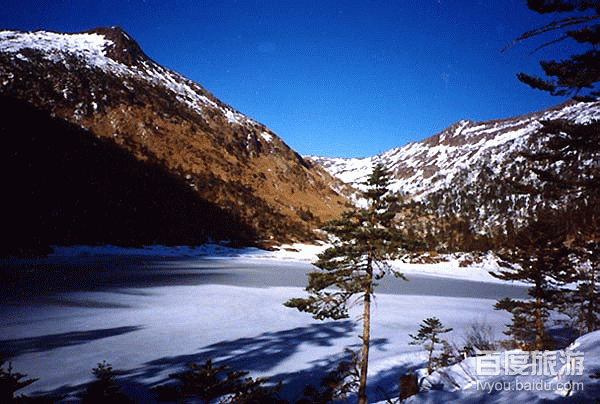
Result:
[[62, 185], [264, 183]]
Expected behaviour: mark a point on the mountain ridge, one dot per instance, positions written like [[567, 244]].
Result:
[[466, 173], [101, 81], [417, 159]]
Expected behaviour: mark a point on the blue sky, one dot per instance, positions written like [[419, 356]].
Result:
[[334, 78]]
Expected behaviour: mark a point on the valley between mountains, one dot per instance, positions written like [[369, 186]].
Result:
[[105, 146]]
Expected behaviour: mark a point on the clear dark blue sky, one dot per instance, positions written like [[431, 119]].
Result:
[[335, 78]]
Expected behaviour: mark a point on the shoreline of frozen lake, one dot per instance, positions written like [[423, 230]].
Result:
[[41, 277]]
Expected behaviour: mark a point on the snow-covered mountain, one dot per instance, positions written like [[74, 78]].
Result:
[[423, 167], [114, 52], [464, 170], [102, 82]]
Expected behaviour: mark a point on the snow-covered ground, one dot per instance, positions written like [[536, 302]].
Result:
[[149, 331], [564, 376]]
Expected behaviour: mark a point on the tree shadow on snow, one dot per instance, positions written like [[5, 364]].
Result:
[[265, 352], [15, 347], [261, 353], [386, 384]]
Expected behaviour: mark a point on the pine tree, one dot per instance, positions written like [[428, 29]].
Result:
[[364, 240], [564, 142], [336, 385], [567, 153], [536, 258], [207, 383], [578, 72], [428, 336], [103, 389], [572, 147], [565, 224], [565, 161], [11, 382], [583, 302]]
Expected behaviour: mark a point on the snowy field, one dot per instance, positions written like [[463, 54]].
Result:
[[169, 307]]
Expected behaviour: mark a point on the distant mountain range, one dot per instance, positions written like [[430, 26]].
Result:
[[420, 168], [467, 169], [104, 145]]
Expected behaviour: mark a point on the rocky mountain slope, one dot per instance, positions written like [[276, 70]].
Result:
[[102, 82], [64, 185], [467, 169]]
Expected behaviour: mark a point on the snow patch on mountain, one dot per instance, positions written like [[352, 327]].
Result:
[[267, 137], [93, 50], [57, 46]]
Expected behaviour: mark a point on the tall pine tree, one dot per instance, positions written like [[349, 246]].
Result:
[[535, 258], [364, 240], [574, 147], [568, 152], [565, 160]]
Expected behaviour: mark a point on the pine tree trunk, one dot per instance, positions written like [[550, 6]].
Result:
[[430, 358], [591, 315], [366, 337], [539, 326], [539, 318]]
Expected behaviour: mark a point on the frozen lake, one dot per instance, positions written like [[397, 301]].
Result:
[[148, 317], [38, 279]]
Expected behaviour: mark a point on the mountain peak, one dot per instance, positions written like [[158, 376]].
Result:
[[424, 167], [124, 49], [451, 135], [98, 47]]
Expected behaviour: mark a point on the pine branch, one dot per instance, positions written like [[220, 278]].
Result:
[[551, 26]]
